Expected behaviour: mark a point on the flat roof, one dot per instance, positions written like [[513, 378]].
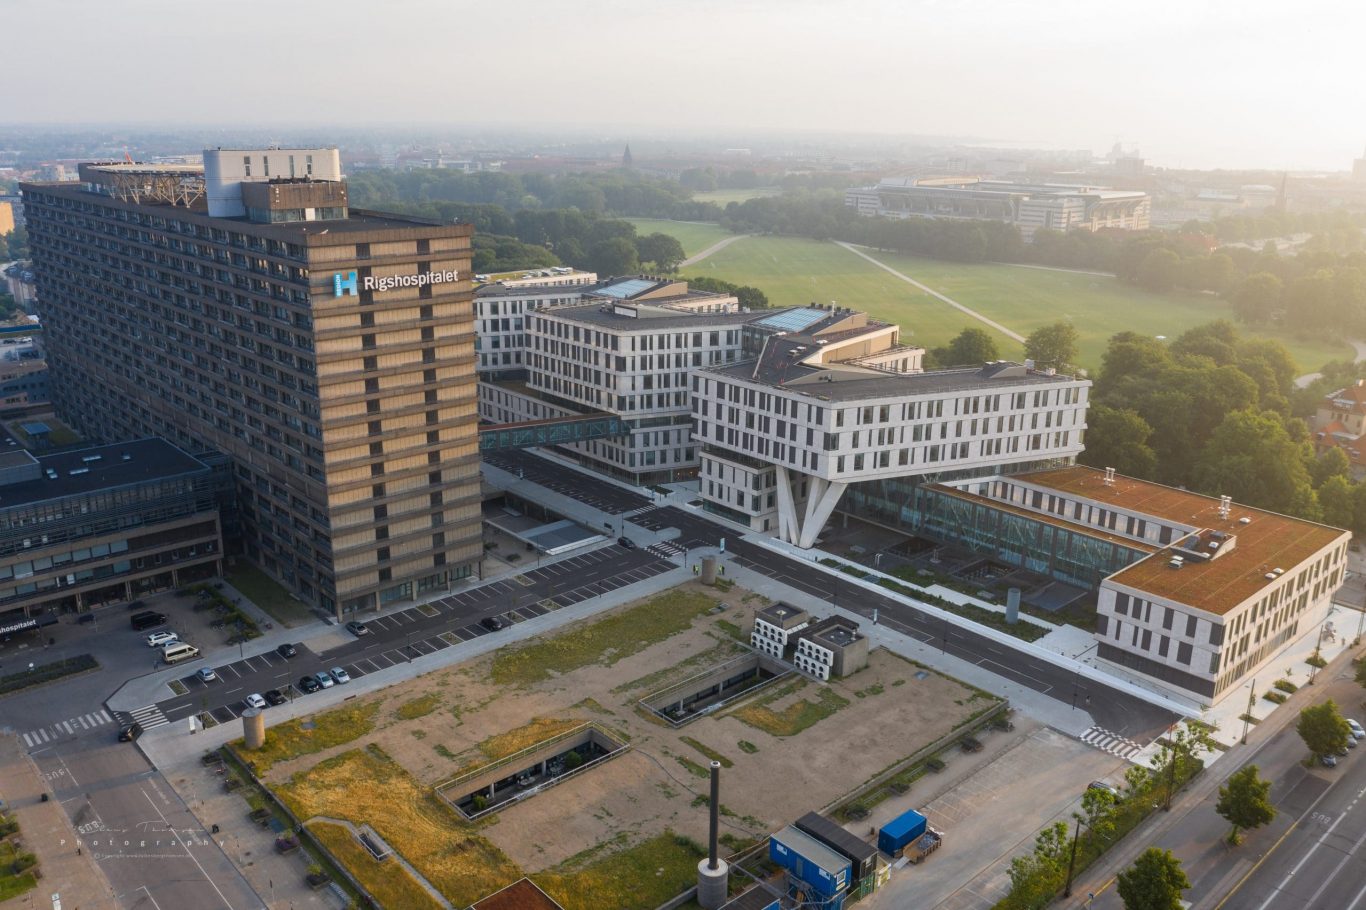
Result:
[[812, 849], [653, 316], [782, 615], [1268, 541], [101, 467], [824, 829], [520, 895], [835, 630], [840, 382]]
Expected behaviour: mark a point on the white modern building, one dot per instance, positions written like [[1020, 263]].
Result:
[[501, 306], [775, 627], [1029, 206], [1197, 593], [784, 435], [627, 348]]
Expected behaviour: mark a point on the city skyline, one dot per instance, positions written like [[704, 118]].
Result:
[[1187, 86]]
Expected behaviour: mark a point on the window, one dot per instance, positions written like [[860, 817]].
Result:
[[246, 165]]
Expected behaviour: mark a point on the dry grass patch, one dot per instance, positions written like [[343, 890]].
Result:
[[291, 740], [388, 882], [604, 641], [363, 786], [635, 878], [540, 728], [418, 707], [795, 717]]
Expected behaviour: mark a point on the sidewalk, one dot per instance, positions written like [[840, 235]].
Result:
[[46, 831]]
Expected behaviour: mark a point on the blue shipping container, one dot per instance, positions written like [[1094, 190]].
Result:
[[900, 831], [824, 870]]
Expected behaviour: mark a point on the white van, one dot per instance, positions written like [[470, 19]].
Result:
[[177, 651]]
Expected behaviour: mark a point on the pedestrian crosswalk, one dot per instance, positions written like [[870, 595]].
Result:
[[149, 717], [65, 728], [640, 511], [665, 549], [1113, 743]]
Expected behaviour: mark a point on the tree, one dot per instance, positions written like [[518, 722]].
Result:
[[1244, 803], [1176, 753], [615, 256], [1052, 345], [970, 346], [1336, 502], [1036, 877], [1332, 463], [1252, 458], [1257, 299], [1154, 882], [663, 250], [1118, 438], [1323, 729], [1158, 271]]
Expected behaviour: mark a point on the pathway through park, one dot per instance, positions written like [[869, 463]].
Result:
[[714, 248], [933, 293]]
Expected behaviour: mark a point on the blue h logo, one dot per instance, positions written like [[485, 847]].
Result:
[[346, 284]]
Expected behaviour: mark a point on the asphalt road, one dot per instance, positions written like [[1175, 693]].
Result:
[[153, 850], [1319, 864], [1112, 708], [417, 631]]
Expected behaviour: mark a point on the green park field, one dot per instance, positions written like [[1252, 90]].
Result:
[[793, 271], [695, 236]]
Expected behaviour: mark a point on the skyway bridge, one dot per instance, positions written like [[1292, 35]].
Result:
[[554, 431]]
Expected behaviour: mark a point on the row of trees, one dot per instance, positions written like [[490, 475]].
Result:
[[1052, 345], [618, 192], [1212, 411], [14, 245]]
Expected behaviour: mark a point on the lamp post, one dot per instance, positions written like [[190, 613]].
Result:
[[1076, 678], [1314, 661], [1247, 718], [944, 648], [1072, 857]]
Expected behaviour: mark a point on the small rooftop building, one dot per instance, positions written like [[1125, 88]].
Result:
[[831, 648], [775, 628], [1340, 423]]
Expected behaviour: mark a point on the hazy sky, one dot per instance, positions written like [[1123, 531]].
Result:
[[1191, 83]]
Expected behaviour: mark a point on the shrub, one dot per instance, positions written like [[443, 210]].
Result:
[[1286, 685], [572, 761], [1277, 697]]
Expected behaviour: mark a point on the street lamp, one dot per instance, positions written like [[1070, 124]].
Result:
[[1247, 718], [1314, 660], [945, 648]]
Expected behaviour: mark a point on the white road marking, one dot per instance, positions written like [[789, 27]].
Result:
[[188, 852]]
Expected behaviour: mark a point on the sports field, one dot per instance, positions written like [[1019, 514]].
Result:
[[794, 271], [694, 235]]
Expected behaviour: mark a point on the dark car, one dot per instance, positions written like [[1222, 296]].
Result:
[[626, 543], [286, 650], [356, 627], [149, 620], [309, 684], [493, 623], [275, 697], [130, 732]]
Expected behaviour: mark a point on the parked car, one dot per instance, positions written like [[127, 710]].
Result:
[[276, 697], [149, 620], [340, 675], [324, 679], [206, 674], [1356, 728], [1102, 785], [309, 684], [254, 700], [626, 543], [157, 639], [1328, 761], [493, 623], [130, 732], [286, 650], [356, 627]]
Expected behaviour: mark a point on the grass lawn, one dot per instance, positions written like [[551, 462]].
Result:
[[331, 728], [797, 272], [12, 885], [387, 881], [797, 716], [693, 235], [418, 707], [1024, 299], [640, 877], [362, 786], [513, 741], [268, 594], [605, 641], [725, 197]]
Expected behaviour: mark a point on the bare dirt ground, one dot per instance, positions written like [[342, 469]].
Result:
[[882, 714]]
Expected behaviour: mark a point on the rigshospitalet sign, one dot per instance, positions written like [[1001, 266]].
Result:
[[347, 284]]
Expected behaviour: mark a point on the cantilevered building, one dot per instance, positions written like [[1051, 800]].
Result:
[[244, 307]]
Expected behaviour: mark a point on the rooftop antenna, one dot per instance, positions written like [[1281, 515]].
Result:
[[1225, 505], [1109, 477]]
